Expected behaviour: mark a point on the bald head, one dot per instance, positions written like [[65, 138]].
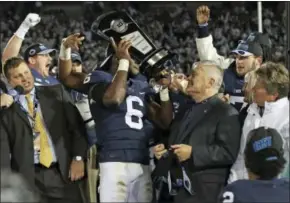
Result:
[[212, 71]]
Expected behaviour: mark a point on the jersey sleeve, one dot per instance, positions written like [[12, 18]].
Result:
[[96, 83], [140, 77]]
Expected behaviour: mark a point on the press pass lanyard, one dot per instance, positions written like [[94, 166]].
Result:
[[32, 118]]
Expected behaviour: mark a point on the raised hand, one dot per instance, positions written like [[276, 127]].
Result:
[[73, 41], [202, 14], [122, 50], [31, 20]]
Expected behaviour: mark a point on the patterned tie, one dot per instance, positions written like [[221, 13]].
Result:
[[45, 156]]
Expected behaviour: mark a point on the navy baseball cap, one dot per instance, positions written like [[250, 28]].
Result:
[[264, 145], [252, 45], [37, 49], [76, 57]]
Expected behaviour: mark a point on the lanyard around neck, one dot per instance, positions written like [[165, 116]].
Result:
[[35, 106]]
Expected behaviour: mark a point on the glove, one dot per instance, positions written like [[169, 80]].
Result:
[[30, 21]]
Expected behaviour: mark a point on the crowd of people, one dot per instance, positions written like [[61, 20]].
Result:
[[174, 29], [219, 133]]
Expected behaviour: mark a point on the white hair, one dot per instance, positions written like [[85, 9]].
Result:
[[212, 70]]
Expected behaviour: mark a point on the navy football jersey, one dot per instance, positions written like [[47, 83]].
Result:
[[256, 191], [122, 127], [233, 86], [178, 101]]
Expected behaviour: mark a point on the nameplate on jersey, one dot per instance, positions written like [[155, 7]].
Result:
[[236, 99]]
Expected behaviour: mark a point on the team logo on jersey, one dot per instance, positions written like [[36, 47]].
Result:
[[88, 78], [237, 91]]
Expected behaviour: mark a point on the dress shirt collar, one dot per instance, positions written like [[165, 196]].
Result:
[[269, 106]]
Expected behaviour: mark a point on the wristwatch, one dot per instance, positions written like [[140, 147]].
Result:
[[78, 158]]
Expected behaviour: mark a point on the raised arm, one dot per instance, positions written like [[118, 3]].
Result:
[[204, 41], [163, 114], [66, 75], [13, 46], [116, 92]]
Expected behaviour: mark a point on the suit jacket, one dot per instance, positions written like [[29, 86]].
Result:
[[63, 122], [214, 133], [3, 87]]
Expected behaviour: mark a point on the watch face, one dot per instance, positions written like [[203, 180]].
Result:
[[78, 158]]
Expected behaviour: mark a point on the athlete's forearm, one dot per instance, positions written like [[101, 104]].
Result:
[[65, 73], [116, 91], [166, 111]]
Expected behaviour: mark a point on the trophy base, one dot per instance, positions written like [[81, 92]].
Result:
[[154, 63]]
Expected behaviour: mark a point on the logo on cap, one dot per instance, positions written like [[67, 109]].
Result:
[[262, 144], [42, 47], [32, 52]]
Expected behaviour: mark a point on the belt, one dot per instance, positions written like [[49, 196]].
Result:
[[53, 165]]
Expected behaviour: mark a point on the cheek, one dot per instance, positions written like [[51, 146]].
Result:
[[259, 94]]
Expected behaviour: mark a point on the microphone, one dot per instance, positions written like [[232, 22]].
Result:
[[19, 89]]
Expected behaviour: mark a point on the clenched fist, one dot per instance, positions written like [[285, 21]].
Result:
[[31, 20], [159, 150], [73, 41], [202, 14]]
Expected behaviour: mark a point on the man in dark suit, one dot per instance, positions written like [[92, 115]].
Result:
[[203, 142], [42, 136]]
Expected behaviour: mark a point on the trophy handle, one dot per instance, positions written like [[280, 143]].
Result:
[[95, 25]]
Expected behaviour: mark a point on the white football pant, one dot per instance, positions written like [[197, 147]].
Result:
[[125, 182]]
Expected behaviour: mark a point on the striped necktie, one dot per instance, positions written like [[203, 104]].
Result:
[[45, 157]]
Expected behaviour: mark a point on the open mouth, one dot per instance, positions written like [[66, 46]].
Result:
[[240, 68], [48, 65], [27, 84]]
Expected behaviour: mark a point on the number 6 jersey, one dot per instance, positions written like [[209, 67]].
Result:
[[121, 129]]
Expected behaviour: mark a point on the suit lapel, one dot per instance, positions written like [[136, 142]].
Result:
[[47, 105], [21, 114], [197, 116]]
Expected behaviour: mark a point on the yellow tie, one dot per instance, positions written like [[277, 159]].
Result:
[[45, 156]]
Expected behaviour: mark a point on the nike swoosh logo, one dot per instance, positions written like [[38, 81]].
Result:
[[142, 92]]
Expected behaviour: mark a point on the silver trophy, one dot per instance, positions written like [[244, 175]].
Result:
[[120, 25]]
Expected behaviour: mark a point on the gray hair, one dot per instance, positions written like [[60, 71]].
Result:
[[15, 189], [213, 70]]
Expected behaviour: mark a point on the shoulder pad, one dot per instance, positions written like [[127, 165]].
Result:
[[98, 77]]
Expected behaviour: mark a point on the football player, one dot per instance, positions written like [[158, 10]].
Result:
[[264, 161], [119, 109]]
